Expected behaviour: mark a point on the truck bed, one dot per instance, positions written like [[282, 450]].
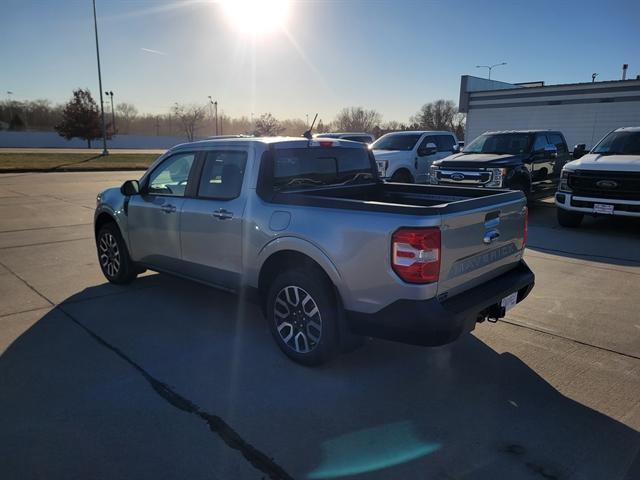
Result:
[[409, 199]]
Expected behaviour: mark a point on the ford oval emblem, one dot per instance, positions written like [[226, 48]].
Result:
[[607, 184], [457, 176]]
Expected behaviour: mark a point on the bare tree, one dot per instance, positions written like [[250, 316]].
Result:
[[323, 127], [438, 115], [357, 119], [190, 117], [268, 126], [459, 124], [293, 127], [127, 112]]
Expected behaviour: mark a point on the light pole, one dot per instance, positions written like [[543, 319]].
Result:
[[10, 95], [210, 108], [213, 107], [104, 128], [491, 67], [113, 112]]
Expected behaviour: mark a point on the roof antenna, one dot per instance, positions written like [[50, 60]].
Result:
[[308, 134]]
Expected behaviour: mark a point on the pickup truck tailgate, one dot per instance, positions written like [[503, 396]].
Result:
[[480, 244]]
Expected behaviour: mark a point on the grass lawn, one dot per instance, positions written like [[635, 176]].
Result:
[[11, 162]]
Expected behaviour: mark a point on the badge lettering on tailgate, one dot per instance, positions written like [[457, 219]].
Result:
[[482, 259]]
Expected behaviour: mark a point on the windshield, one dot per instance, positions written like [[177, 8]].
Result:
[[619, 143], [396, 141], [296, 168], [513, 143]]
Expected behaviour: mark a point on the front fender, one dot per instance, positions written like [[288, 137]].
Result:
[[111, 202]]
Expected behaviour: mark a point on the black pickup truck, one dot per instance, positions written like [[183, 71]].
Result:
[[527, 160]]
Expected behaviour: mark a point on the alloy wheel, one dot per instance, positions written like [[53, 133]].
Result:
[[298, 320], [109, 254]]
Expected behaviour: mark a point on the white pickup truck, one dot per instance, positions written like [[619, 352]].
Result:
[[606, 181], [405, 157]]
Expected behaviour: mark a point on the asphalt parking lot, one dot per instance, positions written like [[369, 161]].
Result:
[[168, 379]]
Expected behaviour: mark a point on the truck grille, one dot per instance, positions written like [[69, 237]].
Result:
[[463, 176], [620, 185]]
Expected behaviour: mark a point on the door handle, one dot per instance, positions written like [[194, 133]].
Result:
[[223, 214], [490, 236], [168, 208]]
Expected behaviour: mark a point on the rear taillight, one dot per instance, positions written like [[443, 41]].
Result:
[[526, 227], [415, 254]]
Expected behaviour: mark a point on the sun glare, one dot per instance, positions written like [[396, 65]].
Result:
[[256, 16]]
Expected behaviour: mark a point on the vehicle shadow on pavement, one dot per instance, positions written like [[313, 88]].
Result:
[[611, 240], [126, 385]]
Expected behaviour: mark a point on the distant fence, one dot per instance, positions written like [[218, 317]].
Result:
[[53, 140]]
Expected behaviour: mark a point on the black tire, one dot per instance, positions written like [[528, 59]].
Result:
[[569, 219], [291, 305], [401, 176], [113, 256]]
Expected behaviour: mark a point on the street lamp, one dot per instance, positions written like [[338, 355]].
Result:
[[491, 67], [113, 113], [10, 96], [214, 104], [104, 128]]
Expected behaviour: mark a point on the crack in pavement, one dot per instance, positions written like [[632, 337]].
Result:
[[39, 244], [569, 339], [44, 228], [215, 423]]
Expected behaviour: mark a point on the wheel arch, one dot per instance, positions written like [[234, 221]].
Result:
[[102, 219], [403, 169], [287, 258]]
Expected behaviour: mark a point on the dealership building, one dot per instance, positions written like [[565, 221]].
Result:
[[583, 112]]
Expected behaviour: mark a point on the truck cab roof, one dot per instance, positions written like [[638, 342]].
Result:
[[502, 132], [284, 142]]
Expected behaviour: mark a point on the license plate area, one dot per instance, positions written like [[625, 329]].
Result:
[[509, 302], [603, 208]]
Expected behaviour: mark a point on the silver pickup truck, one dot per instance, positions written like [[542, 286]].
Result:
[[332, 252]]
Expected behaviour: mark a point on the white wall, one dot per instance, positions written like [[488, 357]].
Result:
[[580, 123], [53, 140]]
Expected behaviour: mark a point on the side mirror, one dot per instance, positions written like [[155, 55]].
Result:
[[579, 151], [550, 150], [130, 187], [428, 149]]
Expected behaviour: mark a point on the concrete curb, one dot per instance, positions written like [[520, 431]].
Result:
[[60, 170]]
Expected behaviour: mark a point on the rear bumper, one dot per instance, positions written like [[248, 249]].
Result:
[[432, 322]]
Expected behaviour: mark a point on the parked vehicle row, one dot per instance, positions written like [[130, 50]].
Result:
[[331, 252], [606, 181]]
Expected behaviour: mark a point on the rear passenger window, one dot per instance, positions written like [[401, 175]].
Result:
[[557, 140], [222, 174], [445, 143], [540, 142]]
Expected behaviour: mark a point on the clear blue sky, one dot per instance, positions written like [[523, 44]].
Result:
[[389, 55]]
